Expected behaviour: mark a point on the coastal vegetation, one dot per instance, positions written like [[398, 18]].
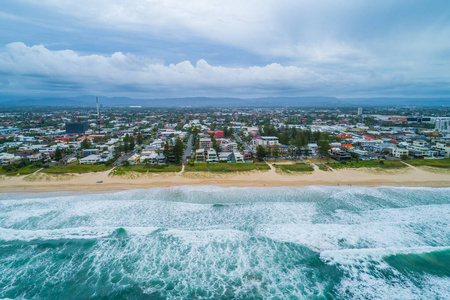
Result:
[[378, 164], [12, 170], [294, 168], [323, 167], [227, 167], [141, 168], [436, 163], [75, 169]]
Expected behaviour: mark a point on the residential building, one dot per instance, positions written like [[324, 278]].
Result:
[[91, 152], [238, 157], [205, 143], [90, 160], [7, 158], [211, 156], [399, 152], [226, 156], [134, 159], [340, 155], [443, 124], [76, 127], [200, 155], [444, 147]]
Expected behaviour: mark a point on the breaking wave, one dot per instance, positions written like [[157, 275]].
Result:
[[227, 243]]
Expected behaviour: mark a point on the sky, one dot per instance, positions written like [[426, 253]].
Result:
[[245, 48]]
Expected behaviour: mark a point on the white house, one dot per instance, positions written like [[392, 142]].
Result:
[[238, 157], [398, 152], [211, 156], [90, 160]]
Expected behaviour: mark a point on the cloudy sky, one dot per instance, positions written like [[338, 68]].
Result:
[[245, 48]]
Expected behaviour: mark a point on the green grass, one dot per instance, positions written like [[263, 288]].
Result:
[[294, 168], [378, 164], [146, 168], [78, 169], [322, 167], [21, 171], [227, 167], [437, 163]]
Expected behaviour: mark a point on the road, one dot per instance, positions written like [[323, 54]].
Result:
[[136, 150], [246, 147], [188, 150]]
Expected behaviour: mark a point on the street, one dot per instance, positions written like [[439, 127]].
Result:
[[188, 150], [246, 147], [126, 157]]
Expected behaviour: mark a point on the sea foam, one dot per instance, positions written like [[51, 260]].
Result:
[[213, 242]]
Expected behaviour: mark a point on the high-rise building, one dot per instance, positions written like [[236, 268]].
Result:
[[359, 111], [76, 127], [443, 124]]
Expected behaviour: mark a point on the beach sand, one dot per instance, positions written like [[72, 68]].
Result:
[[87, 182]]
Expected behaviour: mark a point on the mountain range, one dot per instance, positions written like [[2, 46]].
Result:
[[89, 101]]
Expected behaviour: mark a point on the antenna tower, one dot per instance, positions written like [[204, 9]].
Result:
[[98, 115]]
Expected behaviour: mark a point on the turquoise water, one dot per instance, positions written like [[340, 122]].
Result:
[[227, 243]]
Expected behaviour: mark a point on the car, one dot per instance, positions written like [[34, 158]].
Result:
[[99, 181]]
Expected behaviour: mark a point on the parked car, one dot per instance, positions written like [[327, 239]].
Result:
[[99, 181]]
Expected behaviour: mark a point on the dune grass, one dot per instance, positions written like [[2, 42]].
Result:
[[122, 170], [436, 163], [294, 168], [20, 171], [322, 167], [75, 169], [378, 164], [227, 167]]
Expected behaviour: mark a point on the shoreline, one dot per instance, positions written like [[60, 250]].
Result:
[[411, 177]]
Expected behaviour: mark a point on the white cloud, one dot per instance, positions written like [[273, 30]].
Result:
[[322, 47], [121, 70], [303, 31], [38, 68]]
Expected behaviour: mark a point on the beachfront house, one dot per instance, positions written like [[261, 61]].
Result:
[[340, 155], [105, 156], [134, 159], [226, 156], [211, 156], [7, 159], [399, 152], [200, 155], [444, 147], [90, 160], [238, 157]]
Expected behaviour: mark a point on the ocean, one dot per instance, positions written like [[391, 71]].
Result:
[[227, 243]]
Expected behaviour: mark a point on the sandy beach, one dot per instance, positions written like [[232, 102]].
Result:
[[88, 182]]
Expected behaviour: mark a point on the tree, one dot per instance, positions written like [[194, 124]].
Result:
[[131, 144], [284, 137], [166, 152], [215, 145], [178, 150], [323, 148], [58, 154], [260, 152], [86, 144], [226, 133], [139, 139]]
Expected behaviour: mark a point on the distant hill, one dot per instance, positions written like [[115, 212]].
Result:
[[89, 101]]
